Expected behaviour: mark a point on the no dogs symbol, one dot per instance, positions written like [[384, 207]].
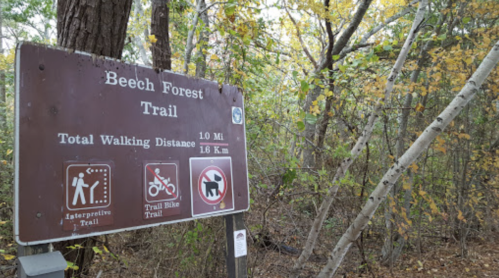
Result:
[[212, 185]]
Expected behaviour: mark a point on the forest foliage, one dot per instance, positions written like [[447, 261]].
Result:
[[304, 112]]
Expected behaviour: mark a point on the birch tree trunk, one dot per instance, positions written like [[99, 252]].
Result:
[[139, 10], [361, 142], [203, 41], [391, 252], [419, 146], [189, 44], [161, 53], [2, 79]]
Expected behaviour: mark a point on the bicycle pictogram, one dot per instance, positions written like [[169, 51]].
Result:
[[161, 182]]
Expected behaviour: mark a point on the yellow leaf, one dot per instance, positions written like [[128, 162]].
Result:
[[460, 216], [467, 269], [433, 207], [406, 186], [419, 107], [422, 193], [214, 57], [414, 167], [328, 93], [314, 102], [9, 151], [8, 257], [4, 162], [152, 38], [442, 149], [321, 97], [464, 135], [105, 249]]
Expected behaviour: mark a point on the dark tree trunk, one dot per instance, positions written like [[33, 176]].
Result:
[[98, 27], [94, 26], [161, 53]]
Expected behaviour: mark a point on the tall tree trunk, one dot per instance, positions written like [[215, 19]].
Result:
[[139, 11], [420, 145], [98, 27], [94, 26], [203, 41], [2, 80], [161, 52], [390, 251]]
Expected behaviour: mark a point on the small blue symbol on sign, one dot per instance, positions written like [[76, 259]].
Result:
[[237, 115]]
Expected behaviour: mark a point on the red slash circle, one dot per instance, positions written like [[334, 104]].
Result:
[[212, 185]]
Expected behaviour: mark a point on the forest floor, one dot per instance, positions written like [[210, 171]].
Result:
[[440, 259]]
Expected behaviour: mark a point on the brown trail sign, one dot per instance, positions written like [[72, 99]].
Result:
[[104, 146]]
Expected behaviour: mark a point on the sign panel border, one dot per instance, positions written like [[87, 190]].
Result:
[[18, 80]]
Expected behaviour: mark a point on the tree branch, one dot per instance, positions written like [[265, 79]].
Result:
[[419, 146], [352, 27], [361, 142], [305, 49]]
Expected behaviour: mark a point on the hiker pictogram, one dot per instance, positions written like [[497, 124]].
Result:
[[212, 185], [160, 182], [88, 186]]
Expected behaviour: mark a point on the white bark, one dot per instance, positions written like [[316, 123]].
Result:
[[361, 142], [418, 147], [138, 42], [2, 79], [189, 45]]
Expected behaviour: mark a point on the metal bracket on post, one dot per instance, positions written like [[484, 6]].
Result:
[[37, 261], [236, 266]]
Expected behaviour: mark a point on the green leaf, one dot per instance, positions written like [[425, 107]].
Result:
[[387, 47], [304, 86], [270, 42], [97, 250], [311, 119], [295, 74], [301, 126], [336, 57], [466, 20], [71, 265], [221, 30], [442, 37], [289, 176], [230, 9], [246, 40], [342, 68]]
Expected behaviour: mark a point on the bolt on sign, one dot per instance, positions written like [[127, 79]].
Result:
[[103, 146]]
